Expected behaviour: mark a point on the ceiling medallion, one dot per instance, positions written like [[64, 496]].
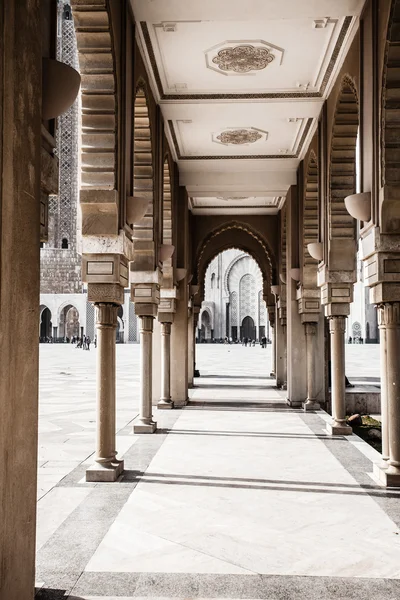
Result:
[[239, 137], [242, 59]]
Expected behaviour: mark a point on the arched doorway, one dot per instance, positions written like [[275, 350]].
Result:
[[248, 329], [205, 330], [69, 325], [45, 325]]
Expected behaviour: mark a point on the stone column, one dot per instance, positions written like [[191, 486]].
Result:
[[311, 343], [179, 350], [191, 345], [196, 312], [54, 333], [273, 350], [106, 467], [165, 400], [384, 385], [390, 321], [337, 328], [145, 423], [280, 335]]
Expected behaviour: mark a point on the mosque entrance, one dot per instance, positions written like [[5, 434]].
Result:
[[248, 329], [45, 325]]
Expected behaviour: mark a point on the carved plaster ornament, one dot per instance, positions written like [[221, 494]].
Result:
[[239, 136], [242, 59]]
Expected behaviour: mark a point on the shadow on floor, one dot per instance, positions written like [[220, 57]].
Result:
[[234, 377], [267, 485], [48, 594]]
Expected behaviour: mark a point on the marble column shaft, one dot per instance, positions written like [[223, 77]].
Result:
[[384, 383], [145, 423], [165, 363], [337, 329], [106, 326], [311, 343], [273, 351], [390, 316]]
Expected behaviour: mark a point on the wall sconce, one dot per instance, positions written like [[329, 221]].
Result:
[[359, 206], [316, 250], [165, 252], [180, 274], [136, 208], [60, 87], [295, 274]]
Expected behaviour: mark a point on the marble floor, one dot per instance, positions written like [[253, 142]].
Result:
[[236, 496]]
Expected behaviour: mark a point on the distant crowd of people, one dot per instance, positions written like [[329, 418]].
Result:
[[83, 342], [356, 340], [244, 341]]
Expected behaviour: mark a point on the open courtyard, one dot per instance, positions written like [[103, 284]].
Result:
[[235, 496]]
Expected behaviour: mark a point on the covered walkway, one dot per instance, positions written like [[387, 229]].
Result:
[[236, 496]]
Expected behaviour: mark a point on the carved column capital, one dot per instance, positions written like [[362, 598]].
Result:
[[311, 328], [165, 328], [389, 315], [337, 324], [146, 323], [106, 315]]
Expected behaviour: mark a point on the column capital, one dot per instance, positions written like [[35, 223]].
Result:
[[106, 315], [146, 323], [389, 315], [146, 297], [166, 328], [337, 324], [311, 328]]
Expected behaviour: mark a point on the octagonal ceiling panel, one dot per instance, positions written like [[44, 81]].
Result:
[[275, 56]]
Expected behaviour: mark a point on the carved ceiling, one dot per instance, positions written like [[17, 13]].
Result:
[[241, 88]]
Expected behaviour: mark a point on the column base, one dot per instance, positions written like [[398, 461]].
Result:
[[145, 427], [180, 403], [382, 473], [105, 473], [333, 429], [293, 403], [311, 405], [165, 405]]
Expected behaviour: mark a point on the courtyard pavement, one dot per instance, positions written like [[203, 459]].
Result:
[[236, 496]]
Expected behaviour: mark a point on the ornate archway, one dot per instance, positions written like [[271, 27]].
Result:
[[143, 173], [342, 175]]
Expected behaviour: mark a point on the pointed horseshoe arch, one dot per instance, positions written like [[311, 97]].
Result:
[[311, 214], [143, 172], [167, 215], [98, 94], [343, 161]]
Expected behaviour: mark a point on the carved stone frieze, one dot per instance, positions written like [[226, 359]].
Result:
[[243, 59], [239, 137], [106, 292]]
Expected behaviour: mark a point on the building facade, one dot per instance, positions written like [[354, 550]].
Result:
[[233, 306]]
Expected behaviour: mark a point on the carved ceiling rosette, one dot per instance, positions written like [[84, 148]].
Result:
[[239, 137], [243, 59]]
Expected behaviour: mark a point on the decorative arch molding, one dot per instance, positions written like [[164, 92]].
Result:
[[342, 176], [67, 304], [228, 270], [310, 220], [238, 270], [212, 246], [390, 126], [210, 312], [143, 171], [167, 218], [390, 104], [98, 94]]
